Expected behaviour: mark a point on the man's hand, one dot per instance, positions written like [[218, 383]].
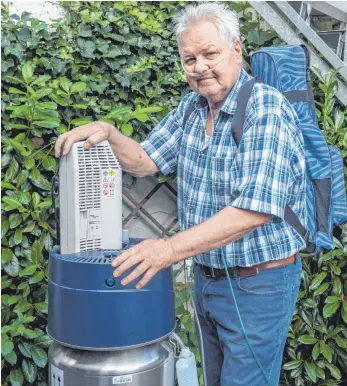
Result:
[[150, 256], [93, 133]]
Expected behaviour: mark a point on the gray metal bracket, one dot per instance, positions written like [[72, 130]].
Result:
[[313, 38], [285, 32]]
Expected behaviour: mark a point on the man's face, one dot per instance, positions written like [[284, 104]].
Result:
[[201, 49]]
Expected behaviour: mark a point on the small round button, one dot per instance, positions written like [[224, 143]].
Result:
[[110, 282]]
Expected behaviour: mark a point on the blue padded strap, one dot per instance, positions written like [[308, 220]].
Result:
[[298, 96], [188, 113]]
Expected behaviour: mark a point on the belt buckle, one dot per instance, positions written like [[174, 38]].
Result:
[[253, 274], [256, 272], [234, 274], [208, 271], [212, 275]]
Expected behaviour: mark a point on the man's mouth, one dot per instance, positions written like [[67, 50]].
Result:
[[199, 80]]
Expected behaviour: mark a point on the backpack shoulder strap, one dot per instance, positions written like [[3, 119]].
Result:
[[188, 112], [239, 117]]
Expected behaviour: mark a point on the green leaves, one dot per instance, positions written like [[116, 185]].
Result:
[[307, 339], [49, 163], [292, 365], [6, 345], [335, 372], [65, 84], [11, 203], [6, 255], [77, 87], [36, 252], [12, 267], [16, 377], [311, 371], [332, 305], [127, 129], [39, 180], [28, 271], [84, 30], [86, 48], [39, 356], [29, 370], [27, 72], [326, 351], [317, 280], [344, 311]]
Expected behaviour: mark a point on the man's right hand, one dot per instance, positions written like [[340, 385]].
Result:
[[93, 133]]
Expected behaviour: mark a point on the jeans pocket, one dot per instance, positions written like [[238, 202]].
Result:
[[294, 272], [266, 283]]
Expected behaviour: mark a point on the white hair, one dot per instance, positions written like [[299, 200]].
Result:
[[225, 20]]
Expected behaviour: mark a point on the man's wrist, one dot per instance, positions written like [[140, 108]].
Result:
[[113, 134], [177, 242], [172, 246]]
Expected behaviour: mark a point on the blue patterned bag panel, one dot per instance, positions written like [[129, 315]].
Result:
[[266, 70], [339, 200], [281, 67], [285, 69], [316, 149]]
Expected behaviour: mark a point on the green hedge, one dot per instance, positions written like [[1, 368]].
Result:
[[118, 62]]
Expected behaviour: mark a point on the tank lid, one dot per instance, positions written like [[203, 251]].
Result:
[[120, 362]]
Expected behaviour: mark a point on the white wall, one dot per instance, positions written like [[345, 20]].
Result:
[[46, 11]]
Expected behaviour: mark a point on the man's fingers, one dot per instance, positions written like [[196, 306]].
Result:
[[133, 260], [124, 256], [60, 142], [69, 141], [85, 132], [95, 139], [137, 272], [147, 277]]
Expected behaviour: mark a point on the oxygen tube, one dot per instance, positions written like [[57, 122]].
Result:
[[214, 210]]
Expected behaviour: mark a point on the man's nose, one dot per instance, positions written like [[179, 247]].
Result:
[[200, 66]]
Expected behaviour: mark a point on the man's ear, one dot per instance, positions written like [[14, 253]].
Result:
[[238, 50]]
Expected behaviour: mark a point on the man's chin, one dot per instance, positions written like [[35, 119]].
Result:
[[208, 93]]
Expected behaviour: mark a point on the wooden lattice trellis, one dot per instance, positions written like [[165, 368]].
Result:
[[138, 207]]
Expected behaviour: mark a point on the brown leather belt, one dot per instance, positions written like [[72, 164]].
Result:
[[235, 272]]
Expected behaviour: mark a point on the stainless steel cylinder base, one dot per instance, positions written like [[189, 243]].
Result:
[[151, 365]]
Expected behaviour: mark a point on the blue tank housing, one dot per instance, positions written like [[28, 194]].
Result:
[[89, 309]]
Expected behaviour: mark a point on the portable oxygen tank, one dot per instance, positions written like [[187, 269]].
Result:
[[187, 374]]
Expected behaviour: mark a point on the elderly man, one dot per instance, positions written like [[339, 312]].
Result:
[[230, 200]]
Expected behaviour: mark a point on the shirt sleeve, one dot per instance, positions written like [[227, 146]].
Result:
[[265, 177], [163, 143]]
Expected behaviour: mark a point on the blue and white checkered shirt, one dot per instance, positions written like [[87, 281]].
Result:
[[264, 174]]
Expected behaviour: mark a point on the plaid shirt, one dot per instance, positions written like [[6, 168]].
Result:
[[264, 174]]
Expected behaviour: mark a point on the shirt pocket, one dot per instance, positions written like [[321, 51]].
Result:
[[223, 176], [211, 188]]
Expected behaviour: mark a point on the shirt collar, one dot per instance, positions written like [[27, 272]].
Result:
[[229, 105]]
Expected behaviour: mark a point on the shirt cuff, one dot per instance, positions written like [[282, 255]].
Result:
[[258, 206], [158, 159]]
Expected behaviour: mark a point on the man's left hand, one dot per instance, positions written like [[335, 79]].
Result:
[[150, 256]]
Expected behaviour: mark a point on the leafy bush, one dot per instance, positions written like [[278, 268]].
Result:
[[118, 62]]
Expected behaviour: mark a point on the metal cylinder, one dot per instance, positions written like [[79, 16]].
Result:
[[150, 365]]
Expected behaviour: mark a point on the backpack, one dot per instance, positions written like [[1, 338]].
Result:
[[287, 69]]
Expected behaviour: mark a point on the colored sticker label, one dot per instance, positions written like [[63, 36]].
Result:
[[122, 379], [108, 183]]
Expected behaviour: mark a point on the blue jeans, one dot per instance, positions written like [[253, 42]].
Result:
[[266, 302]]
